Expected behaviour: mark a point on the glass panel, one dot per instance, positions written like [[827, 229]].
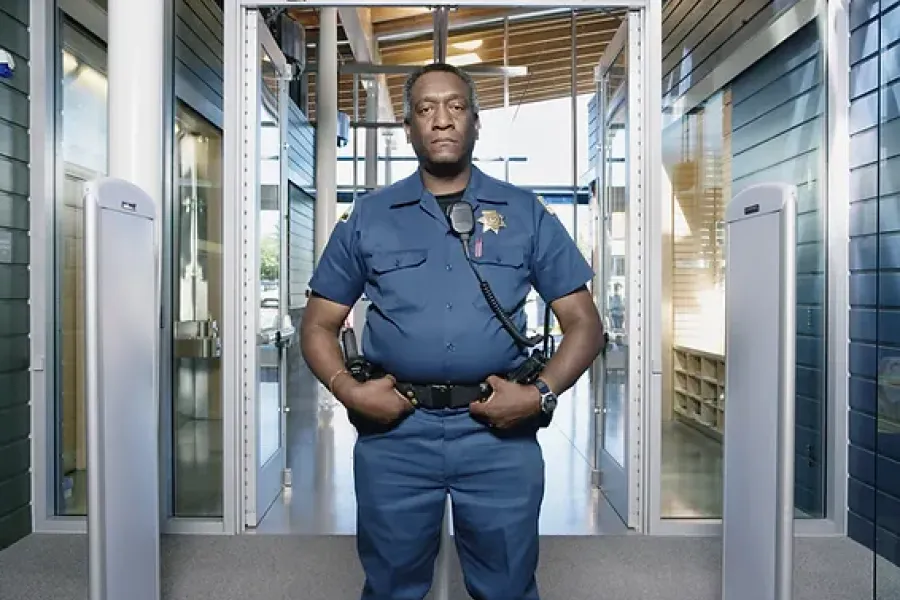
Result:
[[269, 257], [197, 309], [694, 157], [84, 157], [615, 274], [887, 504], [768, 125], [886, 493]]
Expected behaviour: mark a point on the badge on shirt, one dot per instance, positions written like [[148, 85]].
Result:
[[491, 220]]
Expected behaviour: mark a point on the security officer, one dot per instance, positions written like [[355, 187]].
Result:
[[425, 429]]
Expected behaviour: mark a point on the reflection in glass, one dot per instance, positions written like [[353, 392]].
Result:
[[270, 266], [887, 508], [694, 155], [84, 157], [615, 269], [768, 125], [197, 310]]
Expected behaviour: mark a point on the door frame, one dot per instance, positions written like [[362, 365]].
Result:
[[621, 483], [235, 361], [261, 484]]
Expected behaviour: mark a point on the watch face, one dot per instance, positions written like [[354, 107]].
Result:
[[548, 403]]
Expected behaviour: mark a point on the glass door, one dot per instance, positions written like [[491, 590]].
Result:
[[267, 328], [617, 288]]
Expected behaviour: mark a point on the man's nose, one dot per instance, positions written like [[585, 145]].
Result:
[[442, 119]]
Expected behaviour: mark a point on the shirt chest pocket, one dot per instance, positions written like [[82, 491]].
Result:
[[505, 271], [397, 278]]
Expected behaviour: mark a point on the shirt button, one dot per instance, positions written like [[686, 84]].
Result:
[[450, 347], [449, 306], [449, 267]]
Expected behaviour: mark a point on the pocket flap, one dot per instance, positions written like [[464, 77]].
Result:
[[385, 262], [505, 257]]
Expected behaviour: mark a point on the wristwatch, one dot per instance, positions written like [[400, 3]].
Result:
[[548, 398]]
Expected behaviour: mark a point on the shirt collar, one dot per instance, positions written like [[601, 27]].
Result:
[[481, 188]]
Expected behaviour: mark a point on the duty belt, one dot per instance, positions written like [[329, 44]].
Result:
[[442, 396]]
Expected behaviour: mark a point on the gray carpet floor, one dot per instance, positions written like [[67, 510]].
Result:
[[261, 567]]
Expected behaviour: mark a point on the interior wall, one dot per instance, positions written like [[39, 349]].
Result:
[[700, 34], [15, 418], [778, 133], [874, 448]]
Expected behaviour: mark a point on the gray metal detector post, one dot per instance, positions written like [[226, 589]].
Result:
[[441, 585], [760, 305], [121, 334]]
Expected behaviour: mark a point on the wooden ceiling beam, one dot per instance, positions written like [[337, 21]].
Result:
[[520, 34], [387, 14], [463, 17], [518, 56]]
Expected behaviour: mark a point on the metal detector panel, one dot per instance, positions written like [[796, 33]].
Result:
[[759, 394], [121, 332]]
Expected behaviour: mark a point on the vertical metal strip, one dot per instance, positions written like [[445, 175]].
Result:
[[251, 96], [784, 507], [355, 132], [506, 95], [837, 201], [636, 268], [573, 66], [442, 572], [284, 126], [441, 33], [601, 293], [167, 258], [96, 505]]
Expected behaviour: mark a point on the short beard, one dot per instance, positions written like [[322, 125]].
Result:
[[445, 170]]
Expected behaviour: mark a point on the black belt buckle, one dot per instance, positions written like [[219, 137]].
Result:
[[441, 396]]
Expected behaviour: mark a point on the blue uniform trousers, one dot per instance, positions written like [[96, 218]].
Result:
[[496, 484]]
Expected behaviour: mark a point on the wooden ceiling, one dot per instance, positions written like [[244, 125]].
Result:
[[541, 41]]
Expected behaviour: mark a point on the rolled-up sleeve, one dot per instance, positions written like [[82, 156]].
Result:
[[340, 275], [558, 266]]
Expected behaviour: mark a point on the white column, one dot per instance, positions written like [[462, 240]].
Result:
[[326, 127], [136, 62], [371, 134]]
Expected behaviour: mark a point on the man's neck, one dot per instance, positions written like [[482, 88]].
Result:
[[440, 186]]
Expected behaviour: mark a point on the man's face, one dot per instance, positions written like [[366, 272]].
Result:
[[442, 128]]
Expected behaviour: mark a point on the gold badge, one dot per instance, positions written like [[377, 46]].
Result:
[[545, 205], [491, 220]]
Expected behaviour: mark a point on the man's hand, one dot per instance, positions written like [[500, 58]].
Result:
[[510, 403], [377, 399]]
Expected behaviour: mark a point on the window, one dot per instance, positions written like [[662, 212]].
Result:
[[84, 157], [197, 311]]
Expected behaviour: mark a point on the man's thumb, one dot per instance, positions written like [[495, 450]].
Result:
[[495, 382]]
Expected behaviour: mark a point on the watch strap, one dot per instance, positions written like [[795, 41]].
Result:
[[542, 387]]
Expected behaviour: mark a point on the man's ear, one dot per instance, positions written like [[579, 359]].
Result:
[[477, 126], [406, 130]]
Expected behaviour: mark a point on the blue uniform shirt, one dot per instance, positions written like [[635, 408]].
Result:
[[428, 321]]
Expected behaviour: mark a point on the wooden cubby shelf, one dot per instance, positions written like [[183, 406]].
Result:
[[699, 386]]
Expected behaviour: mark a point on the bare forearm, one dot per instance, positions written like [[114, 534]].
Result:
[[322, 352], [579, 347]]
